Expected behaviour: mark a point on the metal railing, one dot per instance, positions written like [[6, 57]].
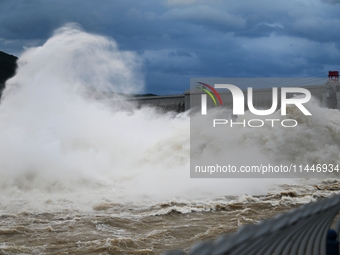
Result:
[[299, 231]]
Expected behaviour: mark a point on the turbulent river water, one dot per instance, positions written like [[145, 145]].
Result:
[[80, 174], [128, 228]]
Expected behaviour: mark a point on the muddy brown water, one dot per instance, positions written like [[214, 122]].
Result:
[[112, 228]]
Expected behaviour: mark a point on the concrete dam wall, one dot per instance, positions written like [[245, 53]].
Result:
[[174, 103]]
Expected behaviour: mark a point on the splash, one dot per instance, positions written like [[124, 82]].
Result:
[[59, 142]]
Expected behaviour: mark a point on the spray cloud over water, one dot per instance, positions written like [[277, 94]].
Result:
[[56, 141]]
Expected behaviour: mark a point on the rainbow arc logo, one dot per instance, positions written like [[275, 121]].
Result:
[[211, 92]]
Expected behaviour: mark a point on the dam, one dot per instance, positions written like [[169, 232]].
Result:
[[328, 94]]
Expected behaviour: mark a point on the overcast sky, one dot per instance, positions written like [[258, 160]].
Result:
[[183, 39]]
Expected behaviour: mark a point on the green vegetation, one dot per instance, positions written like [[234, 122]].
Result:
[[7, 68]]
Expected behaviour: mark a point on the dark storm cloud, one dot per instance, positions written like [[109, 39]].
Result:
[[207, 16], [179, 39], [331, 1]]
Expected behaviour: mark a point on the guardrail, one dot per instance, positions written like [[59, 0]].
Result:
[[299, 231]]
